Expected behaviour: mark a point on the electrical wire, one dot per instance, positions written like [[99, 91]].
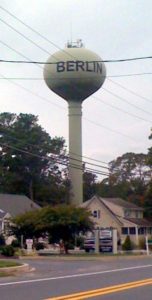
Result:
[[33, 93], [126, 101], [59, 106], [92, 96], [54, 63], [75, 166], [58, 156], [120, 61], [130, 91], [109, 129], [55, 45], [45, 51], [119, 109], [98, 98]]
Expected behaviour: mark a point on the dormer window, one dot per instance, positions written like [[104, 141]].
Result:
[[127, 213], [96, 214]]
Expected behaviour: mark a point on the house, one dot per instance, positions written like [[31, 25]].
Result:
[[11, 206], [117, 213], [4, 221]]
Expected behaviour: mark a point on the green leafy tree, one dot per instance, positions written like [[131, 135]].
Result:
[[89, 185], [148, 200], [61, 222], [28, 159], [128, 177]]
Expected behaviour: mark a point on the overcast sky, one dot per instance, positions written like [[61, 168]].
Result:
[[113, 29]]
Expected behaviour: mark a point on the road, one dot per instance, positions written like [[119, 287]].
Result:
[[125, 278]]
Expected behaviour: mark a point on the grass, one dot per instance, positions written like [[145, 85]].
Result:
[[4, 274], [7, 264]]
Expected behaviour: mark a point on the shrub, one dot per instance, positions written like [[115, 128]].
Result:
[[142, 243], [16, 244], [80, 242], [2, 240], [39, 246], [127, 245], [7, 250]]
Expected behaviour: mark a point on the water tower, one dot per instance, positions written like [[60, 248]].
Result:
[[75, 73]]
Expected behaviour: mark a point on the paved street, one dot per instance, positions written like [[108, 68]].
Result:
[[56, 277]]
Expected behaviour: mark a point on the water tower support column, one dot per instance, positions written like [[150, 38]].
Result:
[[75, 152]]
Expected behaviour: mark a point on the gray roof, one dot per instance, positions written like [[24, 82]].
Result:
[[139, 222], [16, 204], [2, 214], [95, 197], [122, 203]]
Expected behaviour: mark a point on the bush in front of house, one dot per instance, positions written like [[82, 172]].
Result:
[[142, 243], [16, 244], [39, 246], [80, 242], [8, 251], [2, 240], [127, 245]]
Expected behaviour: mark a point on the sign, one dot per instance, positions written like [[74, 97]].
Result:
[[29, 242], [106, 248], [105, 233]]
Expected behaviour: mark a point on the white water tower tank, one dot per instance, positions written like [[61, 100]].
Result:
[[74, 74]]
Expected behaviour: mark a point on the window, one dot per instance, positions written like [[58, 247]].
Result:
[[141, 230], [96, 214], [127, 213], [138, 214], [124, 230], [132, 230]]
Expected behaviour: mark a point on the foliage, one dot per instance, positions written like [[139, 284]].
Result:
[[2, 240], [61, 222], [79, 242], [7, 250], [39, 246], [25, 224], [28, 161], [89, 187], [16, 243], [127, 245], [142, 243], [8, 263]]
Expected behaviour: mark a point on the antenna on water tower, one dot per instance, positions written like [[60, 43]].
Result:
[[75, 73]]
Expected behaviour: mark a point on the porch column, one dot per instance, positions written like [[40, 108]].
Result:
[[137, 236]]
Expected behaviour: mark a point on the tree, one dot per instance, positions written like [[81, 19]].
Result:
[[128, 167], [89, 180], [29, 158], [148, 200], [61, 222], [129, 175]]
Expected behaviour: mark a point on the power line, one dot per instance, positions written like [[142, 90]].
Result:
[[18, 52], [130, 91], [58, 156], [109, 129], [94, 97], [130, 75], [108, 76], [54, 63], [126, 101], [45, 51], [75, 166], [119, 109], [33, 93], [55, 45], [25, 37]]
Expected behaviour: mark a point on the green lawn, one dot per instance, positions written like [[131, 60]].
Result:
[[6, 264]]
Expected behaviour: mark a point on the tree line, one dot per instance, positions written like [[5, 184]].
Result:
[[35, 164]]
